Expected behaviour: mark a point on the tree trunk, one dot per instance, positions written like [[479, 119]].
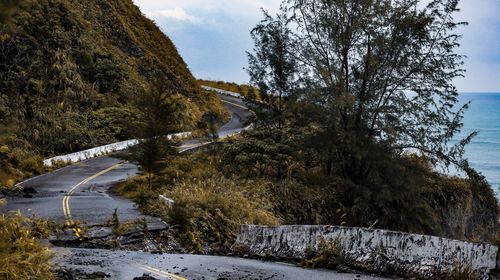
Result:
[[149, 181]]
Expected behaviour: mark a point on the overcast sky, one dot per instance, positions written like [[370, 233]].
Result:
[[213, 35]]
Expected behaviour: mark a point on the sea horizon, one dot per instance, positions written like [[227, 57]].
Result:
[[483, 116]]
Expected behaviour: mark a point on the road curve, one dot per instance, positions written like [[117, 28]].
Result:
[[80, 192], [91, 202]]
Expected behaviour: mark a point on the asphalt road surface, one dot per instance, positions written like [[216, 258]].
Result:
[[80, 192], [91, 202], [127, 265], [239, 117]]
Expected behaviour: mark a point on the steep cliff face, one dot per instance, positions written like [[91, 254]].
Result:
[[466, 208], [69, 70]]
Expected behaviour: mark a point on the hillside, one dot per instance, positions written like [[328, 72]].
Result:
[[71, 70]]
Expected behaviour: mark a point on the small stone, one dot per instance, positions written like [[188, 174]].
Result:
[[145, 276], [99, 274], [29, 190]]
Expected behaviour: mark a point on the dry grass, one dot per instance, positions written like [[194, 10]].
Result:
[[212, 210], [21, 256], [239, 201], [122, 228], [328, 256], [495, 240], [462, 272], [17, 161], [209, 208]]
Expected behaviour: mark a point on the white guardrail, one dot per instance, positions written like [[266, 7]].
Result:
[[221, 91], [120, 146], [102, 150]]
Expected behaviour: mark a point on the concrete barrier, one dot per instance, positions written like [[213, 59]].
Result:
[[383, 251], [221, 91], [102, 150]]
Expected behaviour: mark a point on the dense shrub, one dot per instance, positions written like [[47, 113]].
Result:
[[400, 192], [17, 161]]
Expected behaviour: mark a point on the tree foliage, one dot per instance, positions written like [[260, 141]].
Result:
[[273, 69], [379, 72], [368, 109], [162, 113]]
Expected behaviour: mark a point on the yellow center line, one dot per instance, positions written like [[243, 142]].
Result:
[[160, 272], [66, 199], [237, 105]]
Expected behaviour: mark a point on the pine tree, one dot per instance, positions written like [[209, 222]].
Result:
[[273, 70], [161, 114]]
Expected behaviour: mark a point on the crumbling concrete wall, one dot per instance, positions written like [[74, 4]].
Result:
[[376, 250]]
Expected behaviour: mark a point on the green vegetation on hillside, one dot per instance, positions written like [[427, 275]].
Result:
[[238, 183], [209, 206], [21, 256], [72, 74], [403, 193], [363, 115]]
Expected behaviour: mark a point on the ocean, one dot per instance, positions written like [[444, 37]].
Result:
[[484, 150]]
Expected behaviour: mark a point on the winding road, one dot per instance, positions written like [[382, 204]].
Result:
[[80, 192]]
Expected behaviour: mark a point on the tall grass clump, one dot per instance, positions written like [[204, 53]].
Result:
[[329, 255], [462, 272], [21, 255]]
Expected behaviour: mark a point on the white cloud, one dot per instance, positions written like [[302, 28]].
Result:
[[231, 21], [176, 13], [243, 9], [480, 43]]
